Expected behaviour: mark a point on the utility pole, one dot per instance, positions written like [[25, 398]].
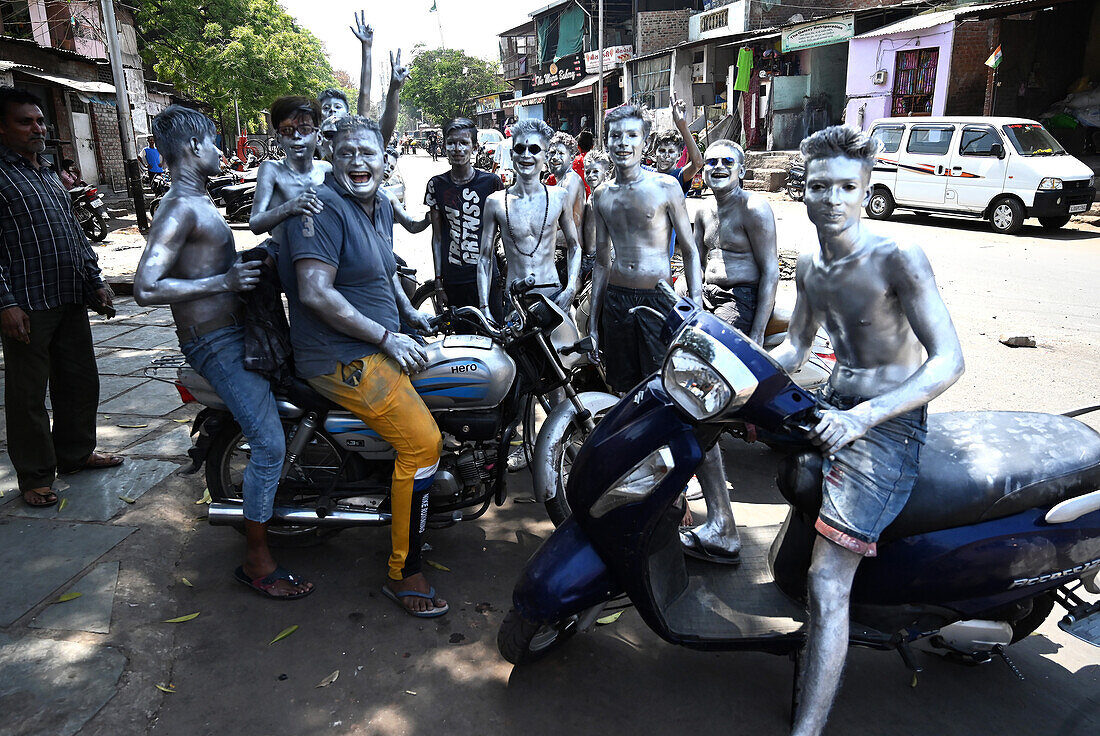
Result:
[[599, 83], [125, 122]]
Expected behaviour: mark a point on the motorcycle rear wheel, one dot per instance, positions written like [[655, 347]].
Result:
[[521, 641], [225, 464], [795, 192], [91, 222]]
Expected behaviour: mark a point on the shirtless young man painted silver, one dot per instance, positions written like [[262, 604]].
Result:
[[896, 350], [289, 187], [636, 213], [736, 234], [190, 262], [527, 214], [597, 167], [559, 161]]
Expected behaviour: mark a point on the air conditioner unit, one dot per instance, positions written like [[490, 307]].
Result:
[[879, 77]]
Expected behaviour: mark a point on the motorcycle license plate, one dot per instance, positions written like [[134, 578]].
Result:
[[1077, 208], [1086, 628], [98, 201]]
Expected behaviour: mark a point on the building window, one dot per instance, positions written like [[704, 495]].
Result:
[[914, 81], [514, 53], [15, 19], [652, 78]]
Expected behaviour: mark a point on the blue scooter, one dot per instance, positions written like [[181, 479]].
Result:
[[1003, 523]]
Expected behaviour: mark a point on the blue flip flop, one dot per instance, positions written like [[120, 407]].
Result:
[[430, 595]]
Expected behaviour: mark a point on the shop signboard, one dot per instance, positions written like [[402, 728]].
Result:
[[819, 33], [565, 72], [487, 104], [613, 56]]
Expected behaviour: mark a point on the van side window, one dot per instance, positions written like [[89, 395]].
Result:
[[889, 136], [978, 142], [930, 141]]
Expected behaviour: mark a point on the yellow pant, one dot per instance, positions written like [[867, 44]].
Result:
[[376, 391]]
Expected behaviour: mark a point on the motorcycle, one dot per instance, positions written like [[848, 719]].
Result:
[[560, 437], [238, 200], [1004, 524], [90, 211], [337, 470], [216, 184], [158, 184], [796, 181]]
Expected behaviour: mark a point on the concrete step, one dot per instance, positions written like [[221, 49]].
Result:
[[770, 159], [768, 180]]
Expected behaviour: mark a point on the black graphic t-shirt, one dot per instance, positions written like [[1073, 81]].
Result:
[[462, 207]]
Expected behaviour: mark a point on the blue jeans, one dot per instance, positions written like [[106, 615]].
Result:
[[219, 357]]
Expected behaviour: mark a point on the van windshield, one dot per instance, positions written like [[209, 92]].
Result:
[[1033, 140]]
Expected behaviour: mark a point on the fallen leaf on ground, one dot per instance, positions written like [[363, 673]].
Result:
[[68, 597], [410, 692], [205, 497], [181, 421], [609, 619], [187, 582], [328, 680], [61, 506], [437, 566], [283, 634], [165, 688], [132, 426], [181, 619], [127, 499]]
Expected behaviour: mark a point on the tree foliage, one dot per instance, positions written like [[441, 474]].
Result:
[[221, 51], [442, 81]]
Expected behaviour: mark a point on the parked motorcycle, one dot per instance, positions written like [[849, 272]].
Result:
[[1003, 524], [796, 181], [90, 211], [337, 470], [216, 184], [238, 200]]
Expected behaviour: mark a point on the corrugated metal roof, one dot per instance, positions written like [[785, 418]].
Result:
[[77, 84], [930, 20]]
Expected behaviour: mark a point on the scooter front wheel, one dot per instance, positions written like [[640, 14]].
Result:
[[521, 641]]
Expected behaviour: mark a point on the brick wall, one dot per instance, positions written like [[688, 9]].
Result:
[[661, 29], [108, 145], [970, 77]]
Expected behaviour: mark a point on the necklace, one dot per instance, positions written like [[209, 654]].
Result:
[[508, 221]]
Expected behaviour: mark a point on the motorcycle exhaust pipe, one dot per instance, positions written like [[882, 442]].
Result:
[[224, 514]]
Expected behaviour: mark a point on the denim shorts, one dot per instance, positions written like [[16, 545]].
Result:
[[868, 482], [219, 357]]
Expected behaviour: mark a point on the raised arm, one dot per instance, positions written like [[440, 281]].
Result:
[[486, 253], [792, 353], [695, 156], [317, 291], [573, 256], [167, 237], [761, 230], [365, 34], [677, 212], [399, 74]]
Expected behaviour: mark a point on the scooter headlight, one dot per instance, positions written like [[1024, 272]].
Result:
[[637, 483], [695, 385]]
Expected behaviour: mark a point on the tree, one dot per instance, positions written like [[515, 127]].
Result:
[[443, 81], [225, 51]]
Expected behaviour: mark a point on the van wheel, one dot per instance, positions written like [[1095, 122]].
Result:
[[881, 204], [1007, 216], [1053, 223]]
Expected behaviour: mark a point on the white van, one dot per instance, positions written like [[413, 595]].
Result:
[[1000, 169]]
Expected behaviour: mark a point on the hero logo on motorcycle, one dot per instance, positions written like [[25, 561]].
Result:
[[1069, 572], [464, 368]]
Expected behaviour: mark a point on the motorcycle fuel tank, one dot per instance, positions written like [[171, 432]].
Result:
[[465, 372]]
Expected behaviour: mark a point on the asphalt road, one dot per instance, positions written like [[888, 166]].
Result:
[[403, 676]]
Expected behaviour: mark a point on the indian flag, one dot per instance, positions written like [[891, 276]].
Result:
[[994, 59], [433, 10]]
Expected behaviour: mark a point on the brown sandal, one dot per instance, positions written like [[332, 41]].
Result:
[[94, 461], [43, 499]]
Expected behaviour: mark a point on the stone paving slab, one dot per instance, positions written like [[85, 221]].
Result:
[[143, 338], [92, 610], [124, 362], [151, 399], [9, 482], [112, 386], [93, 495], [52, 688], [107, 330], [173, 444], [38, 556]]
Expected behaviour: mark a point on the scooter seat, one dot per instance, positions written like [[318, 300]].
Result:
[[974, 467], [234, 189], [302, 395]]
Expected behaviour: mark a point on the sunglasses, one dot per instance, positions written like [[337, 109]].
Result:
[[534, 149], [288, 130], [727, 160]]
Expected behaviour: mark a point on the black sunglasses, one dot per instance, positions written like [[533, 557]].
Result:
[[522, 148], [288, 130], [727, 160]]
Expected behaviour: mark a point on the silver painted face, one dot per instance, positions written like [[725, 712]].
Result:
[[837, 188], [558, 158], [459, 146], [298, 146], [333, 107], [357, 160], [722, 168], [667, 156], [595, 172], [626, 141]]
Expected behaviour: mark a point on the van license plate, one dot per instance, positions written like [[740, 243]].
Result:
[[1077, 208]]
